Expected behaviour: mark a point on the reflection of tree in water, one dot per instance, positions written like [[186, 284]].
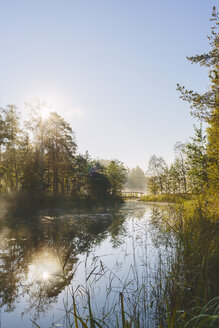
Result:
[[38, 257], [12, 266], [160, 228]]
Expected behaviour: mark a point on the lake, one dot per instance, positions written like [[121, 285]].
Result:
[[96, 256]]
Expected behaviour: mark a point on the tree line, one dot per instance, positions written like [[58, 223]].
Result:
[[187, 174], [196, 166], [39, 158]]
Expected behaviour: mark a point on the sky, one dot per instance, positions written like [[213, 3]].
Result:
[[109, 67]]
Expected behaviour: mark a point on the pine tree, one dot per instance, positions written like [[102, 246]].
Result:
[[205, 106]]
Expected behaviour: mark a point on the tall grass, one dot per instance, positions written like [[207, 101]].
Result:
[[166, 198], [190, 288]]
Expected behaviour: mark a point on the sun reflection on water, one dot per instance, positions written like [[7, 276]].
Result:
[[44, 266], [45, 275]]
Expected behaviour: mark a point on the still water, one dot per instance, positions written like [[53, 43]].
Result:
[[47, 259]]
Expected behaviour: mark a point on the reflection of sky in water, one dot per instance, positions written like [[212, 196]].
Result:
[[114, 260]]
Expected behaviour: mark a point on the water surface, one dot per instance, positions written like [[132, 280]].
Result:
[[45, 259]]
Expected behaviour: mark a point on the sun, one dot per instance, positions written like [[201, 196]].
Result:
[[40, 108], [45, 275], [45, 111]]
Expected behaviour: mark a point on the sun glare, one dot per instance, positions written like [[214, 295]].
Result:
[[45, 111], [45, 275], [44, 266]]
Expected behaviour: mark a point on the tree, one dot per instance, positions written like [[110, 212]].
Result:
[[3, 138], [179, 149], [77, 178], [174, 177], [117, 175], [30, 164], [11, 141], [98, 182], [136, 180], [60, 149], [36, 125], [158, 169], [205, 105], [197, 161], [3, 134], [40, 161], [153, 185]]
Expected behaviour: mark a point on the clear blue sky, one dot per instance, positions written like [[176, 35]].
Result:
[[109, 67]]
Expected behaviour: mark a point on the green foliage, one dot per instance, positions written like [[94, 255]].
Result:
[[206, 105], [197, 162], [166, 198], [40, 161], [190, 287], [117, 175], [157, 169], [9, 148], [98, 182], [136, 180], [192, 281], [167, 180], [188, 173]]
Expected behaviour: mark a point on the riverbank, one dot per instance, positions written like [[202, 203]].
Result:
[[23, 204], [166, 198]]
